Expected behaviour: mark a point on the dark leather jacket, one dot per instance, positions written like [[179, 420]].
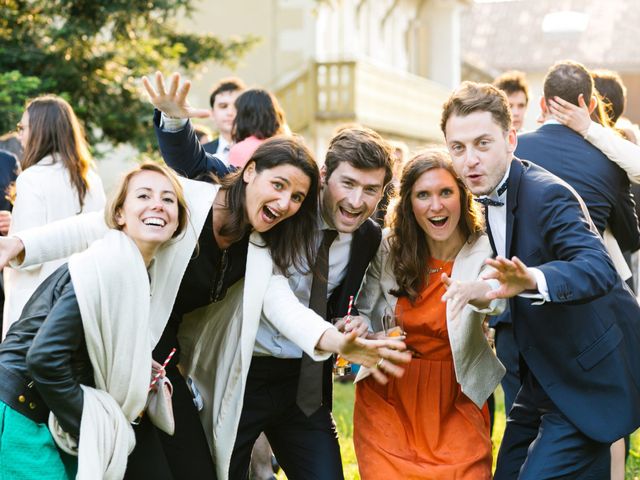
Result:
[[44, 356]]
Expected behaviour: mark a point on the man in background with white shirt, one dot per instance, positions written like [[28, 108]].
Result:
[[223, 113]]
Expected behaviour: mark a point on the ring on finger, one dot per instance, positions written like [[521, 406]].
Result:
[[379, 363]]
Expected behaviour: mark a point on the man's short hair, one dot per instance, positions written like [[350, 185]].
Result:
[[567, 80], [612, 90], [230, 84], [513, 81], [471, 97], [362, 148]]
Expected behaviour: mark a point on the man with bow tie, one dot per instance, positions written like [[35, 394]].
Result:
[[575, 323]]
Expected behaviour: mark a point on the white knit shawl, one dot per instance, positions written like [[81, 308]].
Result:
[[112, 288]]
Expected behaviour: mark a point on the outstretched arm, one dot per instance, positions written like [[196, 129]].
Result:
[[180, 147]]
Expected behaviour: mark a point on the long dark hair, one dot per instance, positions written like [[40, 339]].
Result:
[[258, 113], [55, 129], [409, 251], [291, 241]]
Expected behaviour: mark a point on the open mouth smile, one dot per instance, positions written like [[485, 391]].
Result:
[[270, 213], [438, 222], [154, 222]]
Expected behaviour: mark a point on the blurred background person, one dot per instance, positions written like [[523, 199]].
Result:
[[57, 181], [400, 157], [514, 84], [258, 117], [203, 133], [223, 112]]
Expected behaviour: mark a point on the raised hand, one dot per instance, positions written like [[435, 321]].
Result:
[[173, 102], [459, 294], [382, 357], [513, 275], [575, 117]]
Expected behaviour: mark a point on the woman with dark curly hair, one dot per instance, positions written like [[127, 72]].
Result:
[[433, 422]]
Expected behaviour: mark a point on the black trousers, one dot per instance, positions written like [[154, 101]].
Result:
[[306, 447]]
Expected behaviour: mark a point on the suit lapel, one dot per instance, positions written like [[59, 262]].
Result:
[[513, 185]]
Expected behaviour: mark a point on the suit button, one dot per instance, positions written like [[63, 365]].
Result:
[[32, 405], [22, 399]]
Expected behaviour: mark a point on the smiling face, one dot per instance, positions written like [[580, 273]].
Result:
[[149, 214], [350, 196], [481, 150], [273, 194], [435, 200]]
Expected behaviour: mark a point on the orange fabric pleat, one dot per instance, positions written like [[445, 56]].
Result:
[[422, 426]]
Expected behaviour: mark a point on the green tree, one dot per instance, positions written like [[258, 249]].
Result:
[[92, 52]]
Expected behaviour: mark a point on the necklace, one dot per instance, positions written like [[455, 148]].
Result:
[[431, 271]]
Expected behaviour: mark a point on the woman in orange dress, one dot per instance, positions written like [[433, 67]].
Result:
[[433, 422]]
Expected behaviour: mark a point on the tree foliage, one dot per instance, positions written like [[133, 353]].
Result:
[[93, 52]]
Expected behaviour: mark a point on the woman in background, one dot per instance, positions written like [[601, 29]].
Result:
[[56, 182], [258, 117]]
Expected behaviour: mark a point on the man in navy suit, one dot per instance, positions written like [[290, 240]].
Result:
[[223, 113], [575, 322]]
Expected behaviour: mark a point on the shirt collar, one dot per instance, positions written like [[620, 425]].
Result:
[[494, 194]]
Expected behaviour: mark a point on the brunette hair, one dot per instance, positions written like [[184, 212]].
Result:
[[54, 129], [362, 148], [117, 201], [291, 241], [512, 82], [472, 97], [230, 84], [612, 90], [258, 113], [568, 80], [409, 251]]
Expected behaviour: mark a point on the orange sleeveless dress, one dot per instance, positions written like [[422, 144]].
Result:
[[422, 426]]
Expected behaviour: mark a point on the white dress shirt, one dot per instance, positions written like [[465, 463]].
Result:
[[270, 341], [497, 219]]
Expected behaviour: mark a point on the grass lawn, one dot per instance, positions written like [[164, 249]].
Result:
[[343, 414]]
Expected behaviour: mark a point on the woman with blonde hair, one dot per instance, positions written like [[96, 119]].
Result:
[[56, 182]]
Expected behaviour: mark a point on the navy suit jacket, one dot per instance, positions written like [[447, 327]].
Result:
[[183, 153], [602, 184], [582, 345], [9, 169], [211, 147]]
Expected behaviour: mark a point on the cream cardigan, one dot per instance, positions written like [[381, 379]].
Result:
[[478, 371]]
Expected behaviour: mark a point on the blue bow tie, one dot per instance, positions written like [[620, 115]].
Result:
[[490, 202]]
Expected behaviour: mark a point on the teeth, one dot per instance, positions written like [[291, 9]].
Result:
[[438, 219], [271, 212], [154, 221]]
